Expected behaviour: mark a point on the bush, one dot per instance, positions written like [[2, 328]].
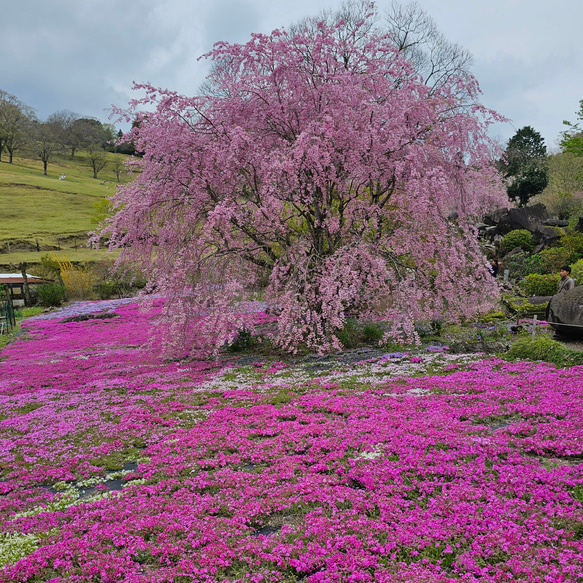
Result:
[[51, 265], [50, 295], [476, 332], [535, 284], [515, 265], [518, 238], [356, 333], [534, 264], [521, 265], [545, 348], [555, 257], [520, 306], [492, 316], [349, 335], [577, 272], [573, 242], [372, 332], [106, 290], [78, 283], [243, 341]]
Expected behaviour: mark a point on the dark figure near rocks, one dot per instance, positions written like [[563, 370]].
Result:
[[494, 266]]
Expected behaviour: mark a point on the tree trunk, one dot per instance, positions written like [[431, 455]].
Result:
[[45, 164]]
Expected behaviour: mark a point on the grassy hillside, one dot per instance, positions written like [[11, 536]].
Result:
[[56, 213]]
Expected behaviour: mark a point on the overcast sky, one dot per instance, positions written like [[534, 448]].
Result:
[[83, 55]]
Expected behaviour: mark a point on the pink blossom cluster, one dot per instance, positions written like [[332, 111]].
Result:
[[471, 475]]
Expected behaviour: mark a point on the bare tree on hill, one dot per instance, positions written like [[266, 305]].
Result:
[[47, 141], [16, 119]]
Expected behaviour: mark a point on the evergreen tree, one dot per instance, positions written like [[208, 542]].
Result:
[[524, 165]]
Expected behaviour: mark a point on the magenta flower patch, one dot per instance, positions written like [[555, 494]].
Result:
[[118, 466]]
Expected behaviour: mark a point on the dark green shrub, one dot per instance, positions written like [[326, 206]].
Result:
[[534, 264], [429, 328], [515, 265], [372, 332], [349, 335], [106, 290], [536, 284], [545, 348], [50, 295], [355, 333], [521, 264], [518, 238], [243, 342]]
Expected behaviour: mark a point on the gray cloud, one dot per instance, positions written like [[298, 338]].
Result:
[[84, 56]]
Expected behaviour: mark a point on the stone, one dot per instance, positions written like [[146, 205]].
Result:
[[553, 222], [514, 251], [85, 317], [528, 217], [579, 225], [494, 217], [545, 235], [539, 300], [565, 312]]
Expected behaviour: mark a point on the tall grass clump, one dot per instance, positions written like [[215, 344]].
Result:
[[78, 281]]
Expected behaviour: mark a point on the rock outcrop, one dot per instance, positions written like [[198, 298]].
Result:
[[565, 312], [502, 221]]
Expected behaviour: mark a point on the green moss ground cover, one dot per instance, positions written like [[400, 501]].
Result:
[[117, 466]]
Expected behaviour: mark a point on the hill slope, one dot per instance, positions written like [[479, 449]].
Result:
[[41, 213]]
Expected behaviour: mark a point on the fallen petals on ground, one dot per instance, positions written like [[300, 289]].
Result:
[[118, 466]]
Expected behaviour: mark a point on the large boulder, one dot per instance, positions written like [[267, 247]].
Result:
[[528, 217], [492, 219], [554, 222], [545, 235], [565, 312]]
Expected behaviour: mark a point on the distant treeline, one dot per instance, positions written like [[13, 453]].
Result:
[[63, 132]]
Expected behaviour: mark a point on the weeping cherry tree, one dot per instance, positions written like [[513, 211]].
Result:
[[319, 169]]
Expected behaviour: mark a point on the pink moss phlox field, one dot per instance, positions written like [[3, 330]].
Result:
[[468, 476]]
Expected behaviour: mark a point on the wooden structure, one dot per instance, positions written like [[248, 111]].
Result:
[[14, 283]]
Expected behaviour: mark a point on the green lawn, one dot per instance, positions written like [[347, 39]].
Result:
[[56, 213]]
